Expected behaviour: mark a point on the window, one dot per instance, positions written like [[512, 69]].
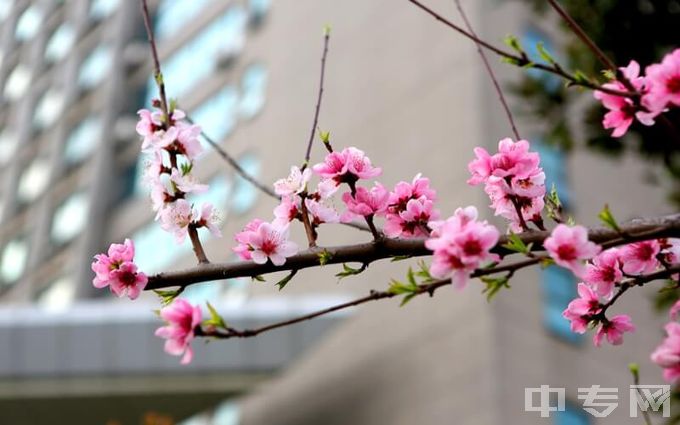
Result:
[[95, 67], [198, 58], [60, 43], [217, 194], [82, 140], [58, 295], [258, 11], [245, 194], [571, 416], [8, 144], [529, 40], [49, 108], [553, 163], [13, 261], [28, 23], [559, 288], [5, 9], [253, 87], [172, 15], [100, 9], [155, 249], [69, 218], [17, 82], [33, 180], [217, 115]]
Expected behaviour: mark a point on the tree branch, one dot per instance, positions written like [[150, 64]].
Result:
[[636, 230], [317, 110]]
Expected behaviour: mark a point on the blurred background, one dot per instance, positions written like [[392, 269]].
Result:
[[400, 86]]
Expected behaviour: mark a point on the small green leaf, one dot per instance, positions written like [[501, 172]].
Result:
[[554, 205], [215, 318], [634, 370], [325, 136], [571, 221], [608, 219], [283, 282], [168, 296], [186, 168], [493, 286], [545, 55], [516, 244], [258, 278], [173, 105], [547, 262], [400, 258], [513, 42], [406, 299], [324, 257], [326, 30], [511, 61], [350, 271], [424, 271], [609, 74]]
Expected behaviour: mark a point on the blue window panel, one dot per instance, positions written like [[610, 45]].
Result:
[[245, 194], [203, 292], [29, 23], [559, 288], [258, 10], [553, 163], [530, 38], [253, 86], [217, 115], [82, 140], [199, 57], [172, 15], [95, 67], [571, 416], [100, 9], [217, 194], [156, 249], [60, 43]]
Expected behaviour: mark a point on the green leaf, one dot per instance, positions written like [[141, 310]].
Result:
[[350, 271], [513, 42], [608, 219], [493, 286], [400, 258], [553, 204], [283, 282], [545, 55], [511, 61], [516, 244], [424, 271], [168, 296], [324, 257], [609, 74], [172, 106], [215, 318], [406, 299], [186, 168], [258, 278], [326, 30], [547, 262], [325, 136]]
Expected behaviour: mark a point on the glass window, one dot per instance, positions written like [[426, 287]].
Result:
[[100, 9], [58, 295], [258, 10], [60, 43], [217, 115], [82, 140], [33, 180], [198, 58], [217, 193], [553, 163], [529, 40], [8, 144], [5, 9], [69, 218], [28, 23], [95, 67], [172, 15], [17, 82], [559, 288], [49, 108], [156, 249], [13, 260], [571, 416], [245, 194], [253, 87]]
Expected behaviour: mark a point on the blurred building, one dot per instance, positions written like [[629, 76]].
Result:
[[405, 89]]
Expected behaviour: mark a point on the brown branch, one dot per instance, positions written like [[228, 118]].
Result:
[[637, 230], [196, 244], [311, 234], [489, 70], [523, 61], [317, 110], [158, 76]]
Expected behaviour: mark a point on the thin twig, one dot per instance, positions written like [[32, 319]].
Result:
[[317, 109], [651, 228], [489, 70], [523, 61]]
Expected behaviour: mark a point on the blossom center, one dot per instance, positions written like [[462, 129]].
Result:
[[566, 252]]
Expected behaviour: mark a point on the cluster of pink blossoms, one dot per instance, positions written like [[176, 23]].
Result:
[[603, 273], [659, 87], [173, 147], [513, 180], [182, 319], [118, 271], [461, 244]]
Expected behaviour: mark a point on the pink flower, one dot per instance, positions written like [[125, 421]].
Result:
[[209, 218], [347, 166], [667, 355], [622, 110], [665, 82], [604, 272], [186, 183], [569, 247], [512, 160], [580, 310], [675, 309], [321, 213], [243, 248], [270, 242], [640, 257], [182, 319], [366, 202], [175, 218], [287, 211], [294, 184], [117, 270], [187, 139], [461, 244], [404, 192], [614, 329], [413, 221]]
